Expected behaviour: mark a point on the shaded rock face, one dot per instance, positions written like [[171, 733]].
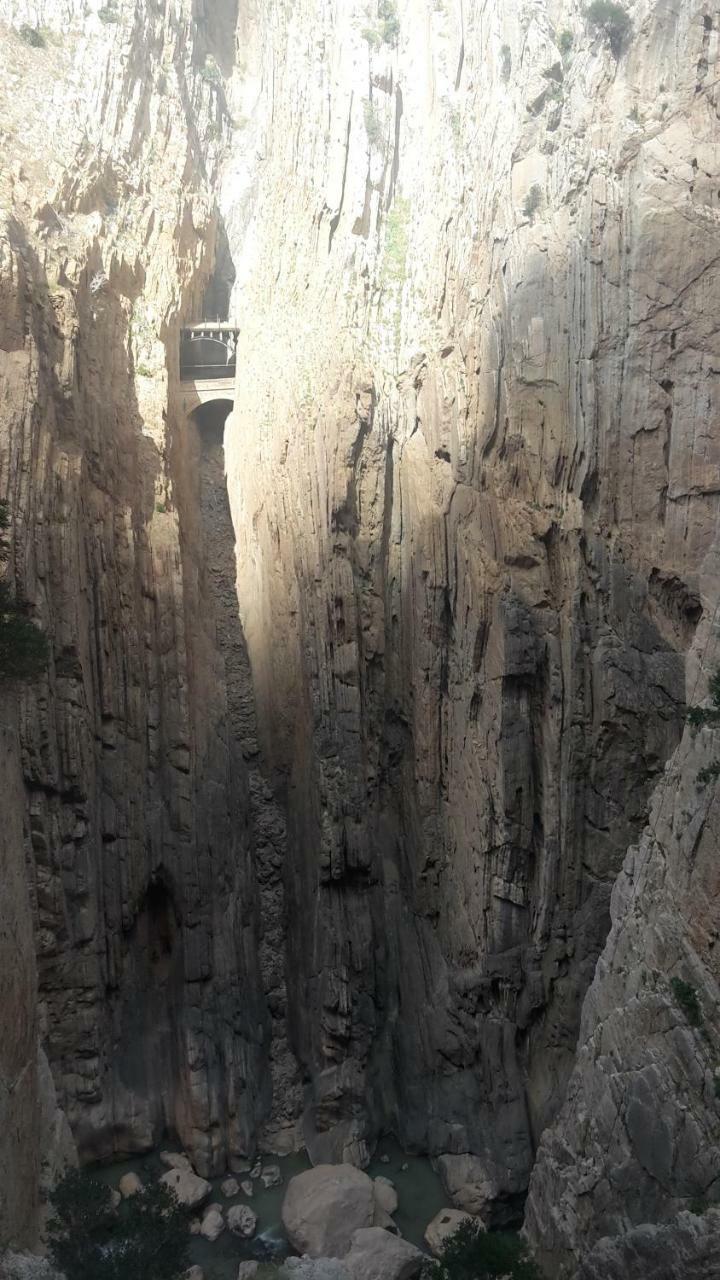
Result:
[[638, 1136], [137, 815], [339, 860], [684, 1249]]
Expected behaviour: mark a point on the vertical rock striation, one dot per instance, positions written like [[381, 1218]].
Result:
[[344, 864], [472, 483]]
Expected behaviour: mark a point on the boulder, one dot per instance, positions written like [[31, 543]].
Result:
[[306, 1268], [213, 1224], [195, 1225], [444, 1224], [383, 1219], [377, 1255], [116, 1199], [190, 1190], [466, 1181], [324, 1206], [256, 1169], [247, 1188], [174, 1160], [230, 1187], [271, 1175], [242, 1221], [129, 1185], [247, 1270], [385, 1195], [195, 1273]]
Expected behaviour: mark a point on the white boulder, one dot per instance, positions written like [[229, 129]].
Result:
[[324, 1206], [242, 1221], [213, 1224], [247, 1270], [378, 1255], [386, 1196], [190, 1190]]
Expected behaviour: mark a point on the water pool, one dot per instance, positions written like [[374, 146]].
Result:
[[419, 1189]]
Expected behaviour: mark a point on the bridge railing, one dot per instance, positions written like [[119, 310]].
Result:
[[207, 351]]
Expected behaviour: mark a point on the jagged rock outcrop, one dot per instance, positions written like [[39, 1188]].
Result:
[[638, 1136], [684, 1249]]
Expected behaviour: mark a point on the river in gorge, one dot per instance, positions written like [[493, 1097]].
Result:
[[419, 1190]]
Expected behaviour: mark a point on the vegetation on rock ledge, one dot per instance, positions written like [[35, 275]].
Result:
[[145, 1238], [471, 1253]]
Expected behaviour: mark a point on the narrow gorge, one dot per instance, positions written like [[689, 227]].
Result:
[[358, 797]]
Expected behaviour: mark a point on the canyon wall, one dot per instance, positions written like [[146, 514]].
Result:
[[340, 860], [136, 823], [473, 481]]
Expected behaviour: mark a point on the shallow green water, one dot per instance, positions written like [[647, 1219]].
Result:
[[419, 1191]]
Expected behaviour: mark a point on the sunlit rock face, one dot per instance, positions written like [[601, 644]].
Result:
[[340, 860], [473, 483]]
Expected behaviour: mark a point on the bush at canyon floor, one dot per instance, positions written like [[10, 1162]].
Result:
[[144, 1238], [471, 1253]]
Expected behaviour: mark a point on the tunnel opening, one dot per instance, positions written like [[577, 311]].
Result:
[[210, 419]]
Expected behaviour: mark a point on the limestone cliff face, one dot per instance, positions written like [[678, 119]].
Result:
[[473, 481], [137, 818], [343, 863], [638, 1137]]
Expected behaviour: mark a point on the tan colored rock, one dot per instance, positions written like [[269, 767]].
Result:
[[175, 1160], [129, 1185], [465, 1179], [324, 1206], [379, 1255], [386, 1196], [190, 1189], [444, 1224], [213, 1224]]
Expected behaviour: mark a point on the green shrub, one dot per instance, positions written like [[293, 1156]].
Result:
[[533, 200], [210, 71], [23, 647], [145, 1239], [373, 124], [565, 41], [472, 1253], [387, 28], [108, 13], [686, 996], [505, 62], [612, 20], [699, 1206], [32, 36], [389, 21], [699, 717]]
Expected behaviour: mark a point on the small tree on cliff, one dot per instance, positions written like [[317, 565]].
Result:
[[145, 1238], [698, 717], [23, 647], [471, 1253]]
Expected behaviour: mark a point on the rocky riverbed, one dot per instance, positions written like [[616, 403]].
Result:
[[262, 1187]]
